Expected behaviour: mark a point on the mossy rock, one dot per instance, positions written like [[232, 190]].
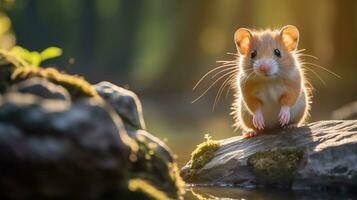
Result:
[[276, 166], [147, 171], [75, 85], [203, 153], [150, 166], [13, 70]]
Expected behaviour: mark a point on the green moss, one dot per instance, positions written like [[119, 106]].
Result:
[[7, 58], [150, 166], [276, 166], [13, 69], [75, 85], [203, 153]]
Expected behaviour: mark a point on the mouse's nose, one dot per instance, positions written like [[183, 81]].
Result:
[[264, 68]]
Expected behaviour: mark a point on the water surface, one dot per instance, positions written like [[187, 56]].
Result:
[[210, 193]]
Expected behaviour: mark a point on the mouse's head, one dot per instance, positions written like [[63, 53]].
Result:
[[268, 53]]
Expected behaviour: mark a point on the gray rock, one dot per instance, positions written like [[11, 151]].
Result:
[[155, 160], [42, 88], [128, 106], [161, 148], [325, 155], [125, 103], [56, 149]]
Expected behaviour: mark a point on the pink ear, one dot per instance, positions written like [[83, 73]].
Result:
[[290, 37], [242, 39]]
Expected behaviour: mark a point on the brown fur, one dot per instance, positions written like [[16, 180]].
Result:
[[290, 79]]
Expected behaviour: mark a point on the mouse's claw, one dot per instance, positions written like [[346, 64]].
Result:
[[284, 115], [250, 134], [258, 120]]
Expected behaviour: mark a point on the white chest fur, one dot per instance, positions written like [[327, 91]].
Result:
[[270, 94]]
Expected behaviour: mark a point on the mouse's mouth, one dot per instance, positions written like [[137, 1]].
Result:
[[266, 68], [271, 75], [268, 74]]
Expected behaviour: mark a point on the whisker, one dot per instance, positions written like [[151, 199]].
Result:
[[317, 75], [245, 81], [227, 69], [300, 50], [204, 76], [321, 67], [234, 54], [220, 90], [307, 55], [211, 86], [230, 87], [227, 61]]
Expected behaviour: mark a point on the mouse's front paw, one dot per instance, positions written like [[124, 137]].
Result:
[[284, 115], [258, 120]]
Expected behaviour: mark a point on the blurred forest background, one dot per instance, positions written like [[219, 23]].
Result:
[[160, 48]]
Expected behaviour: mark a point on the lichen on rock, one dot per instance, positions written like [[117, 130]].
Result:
[[277, 165]]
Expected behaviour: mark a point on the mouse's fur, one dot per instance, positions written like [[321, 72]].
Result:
[[278, 97]]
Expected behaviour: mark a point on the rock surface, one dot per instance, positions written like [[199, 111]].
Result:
[[54, 145], [42, 88], [58, 147], [321, 154], [129, 108], [125, 103]]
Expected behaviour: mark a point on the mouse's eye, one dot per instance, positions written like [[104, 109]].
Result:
[[277, 52], [253, 54]]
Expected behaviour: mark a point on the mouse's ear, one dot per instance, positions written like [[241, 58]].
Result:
[[242, 39], [290, 37]]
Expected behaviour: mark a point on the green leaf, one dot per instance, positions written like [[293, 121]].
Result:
[[50, 52], [35, 59]]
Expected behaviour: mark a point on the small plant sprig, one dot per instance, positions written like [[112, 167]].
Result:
[[207, 137], [35, 58]]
